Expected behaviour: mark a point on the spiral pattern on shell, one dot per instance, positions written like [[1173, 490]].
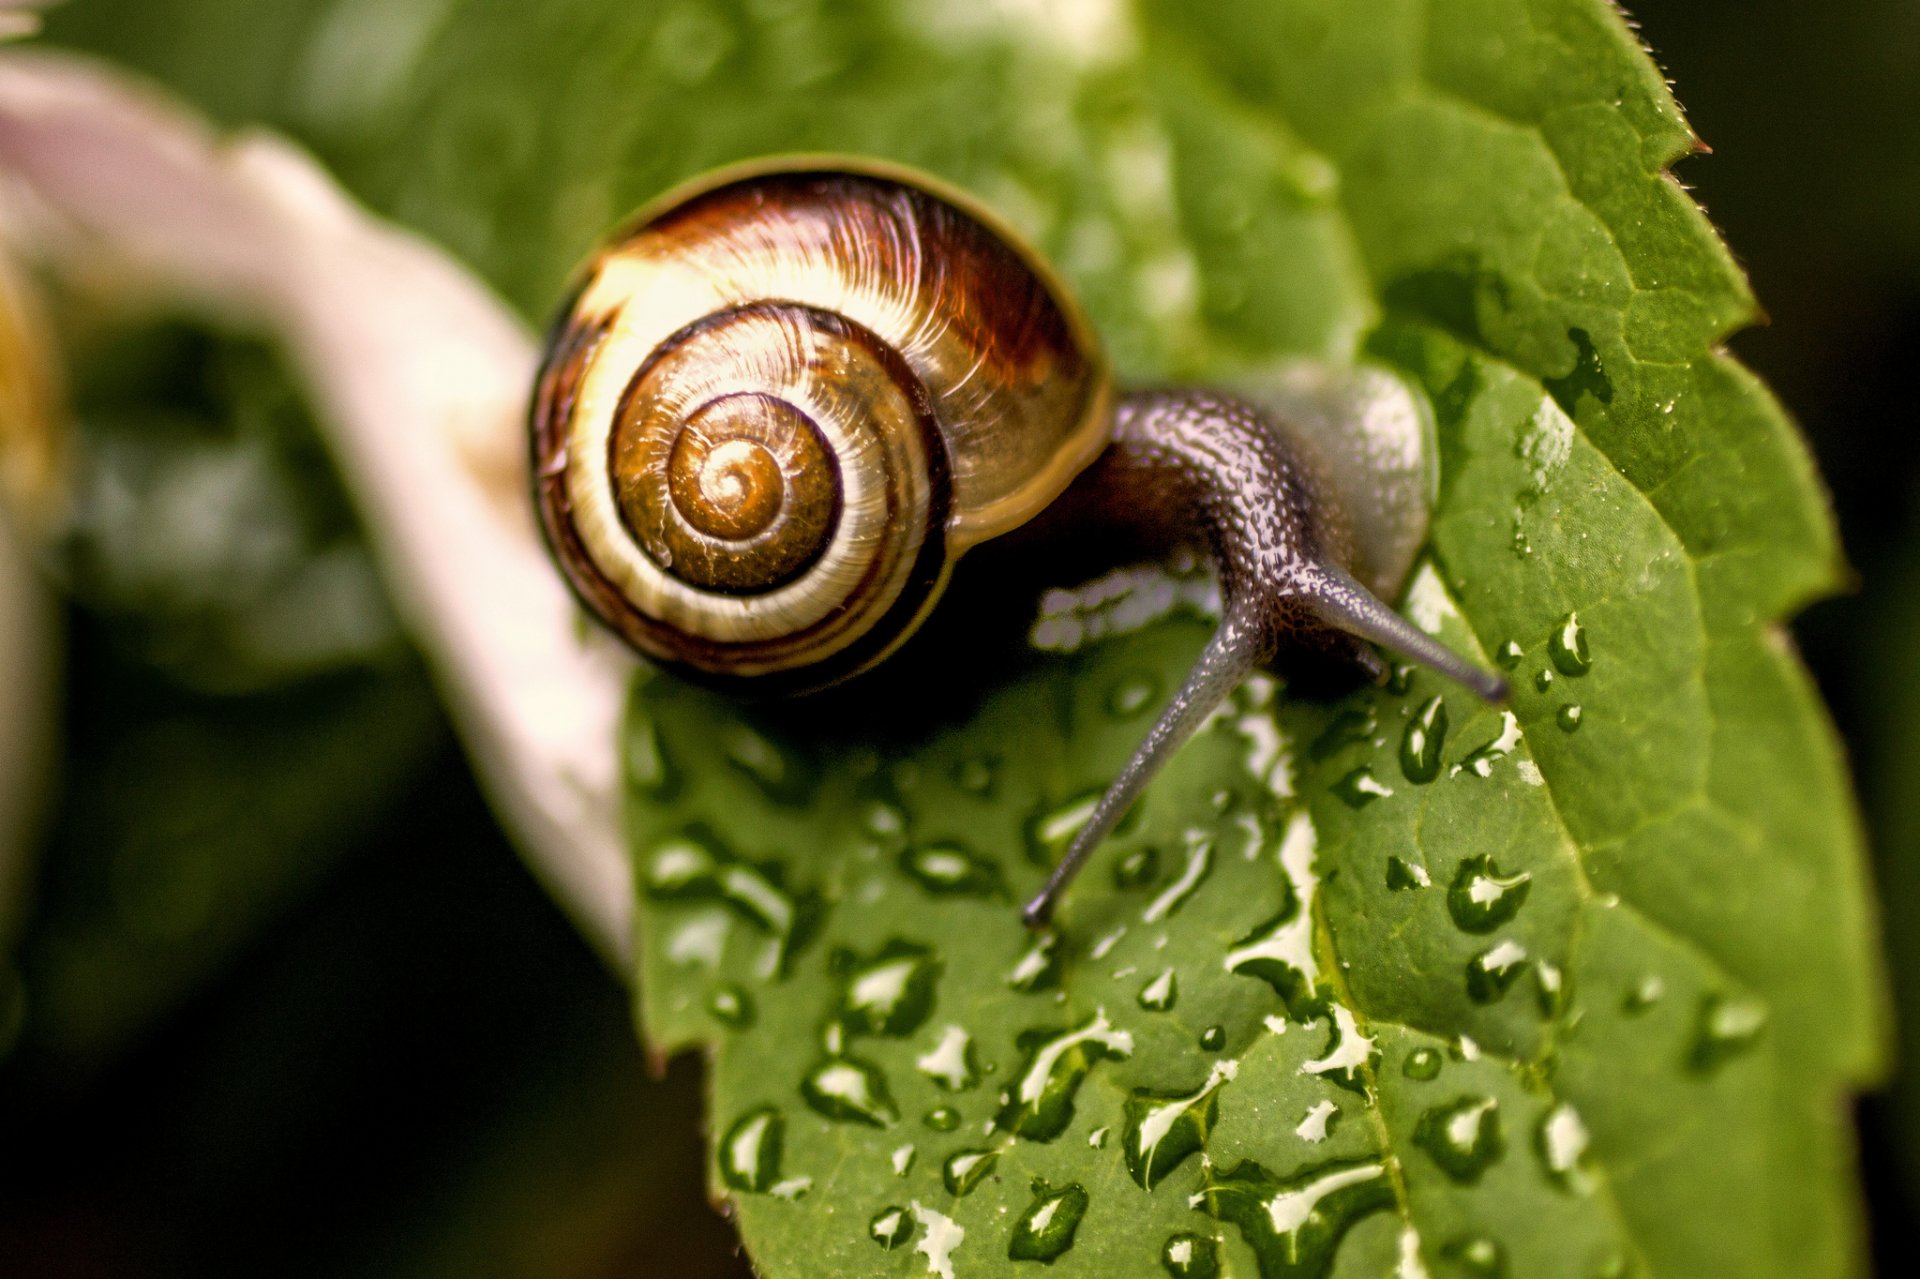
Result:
[[781, 404]]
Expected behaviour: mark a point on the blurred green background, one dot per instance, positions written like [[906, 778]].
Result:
[[319, 1020]]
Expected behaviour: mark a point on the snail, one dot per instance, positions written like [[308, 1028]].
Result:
[[784, 400]]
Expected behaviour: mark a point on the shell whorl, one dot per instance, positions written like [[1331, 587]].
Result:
[[780, 405]]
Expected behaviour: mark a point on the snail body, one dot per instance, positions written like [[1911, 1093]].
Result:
[[784, 401]]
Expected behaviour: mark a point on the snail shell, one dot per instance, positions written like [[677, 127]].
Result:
[[783, 402]]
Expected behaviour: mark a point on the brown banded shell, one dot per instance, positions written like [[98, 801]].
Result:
[[782, 403]]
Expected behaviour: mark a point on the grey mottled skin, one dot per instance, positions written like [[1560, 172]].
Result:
[[1223, 474]]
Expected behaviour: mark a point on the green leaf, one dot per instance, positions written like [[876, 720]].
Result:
[[1580, 990]]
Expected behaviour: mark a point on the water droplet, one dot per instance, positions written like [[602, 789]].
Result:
[[1041, 1104], [1568, 718], [1159, 994], [1421, 743], [1349, 1054], [1543, 679], [1728, 1026], [950, 1062], [1462, 1137], [965, 1169], [1478, 1257], [1295, 1226], [1213, 1038], [1097, 1139], [649, 771], [886, 822], [697, 866], [1481, 759], [731, 1006], [942, 1119], [1348, 728], [780, 776], [1421, 1064], [975, 776], [1317, 1123], [1562, 1142], [750, 1152], [889, 994], [1492, 972], [1163, 1130], [1050, 831], [1360, 788], [849, 1090], [1039, 968], [949, 870], [1550, 989], [1481, 898], [1403, 875], [1045, 1230], [1567, 646], [891, 1227], [902, 1159], [1139, 868], [1191, 1257], [1131, 696], [1644, 993], [1508, 655], [1192, 875], [1400, 678]]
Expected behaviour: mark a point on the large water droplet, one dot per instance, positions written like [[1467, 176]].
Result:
[[697, 866], [1568, 718], [1160, 994], [1728, 1026], [1481, 759], [1349, 1054], [1317, 1124], [1492, 972], [950, 870], [1214, 1038], [1163, 1130], [1567, 647], [1295, 1226], [950, 1062], [891, 1227], [1191, 1257], [889, 994], [1403, 874], [1040, 1105], [750, 1152], [1422, 1064], [1462, 1137], [849, 1090], [1481, 898], [1421, 743], [1360, 788], [965, 1169], [1508, 655], [1045, 1230]]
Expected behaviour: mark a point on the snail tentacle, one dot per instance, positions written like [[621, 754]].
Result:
[[1214, 471]]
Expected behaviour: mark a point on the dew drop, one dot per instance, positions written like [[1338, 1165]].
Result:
[[1492, 972], [1348, 728], [1131, 696], [889, 994], [1481, 759], [902, 1159], [1192, 875], [1050, 831], [1400, 678], [1568, 718], [1421, 743], [1462, 1137], [1137, 869], [1162, 1131], [1478, 1257], [851, 1091], [891, 1227], [886, 822], [950, 1063], [965, 1169], [1213, 1038], [1403, 875], [1567, 646], [750, 1151], [697, 866], [950, 870], [1317, 1124], [1422, 1064], [1543, 679], [1550, 989], [778, 775], [1160, 994], [1037, 969], [942, 1119], [975, 776], [1508, 655], [1360, 788], [1191, 1257], [1644, 993], [1045, 1230], [1294, 1226], [649, 771], [1040, 1106], [1481, 899], [731, 1006], [1562, 1142], [1728, 1027]]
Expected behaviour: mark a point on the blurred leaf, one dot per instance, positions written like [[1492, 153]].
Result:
[[1639, 1064]]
